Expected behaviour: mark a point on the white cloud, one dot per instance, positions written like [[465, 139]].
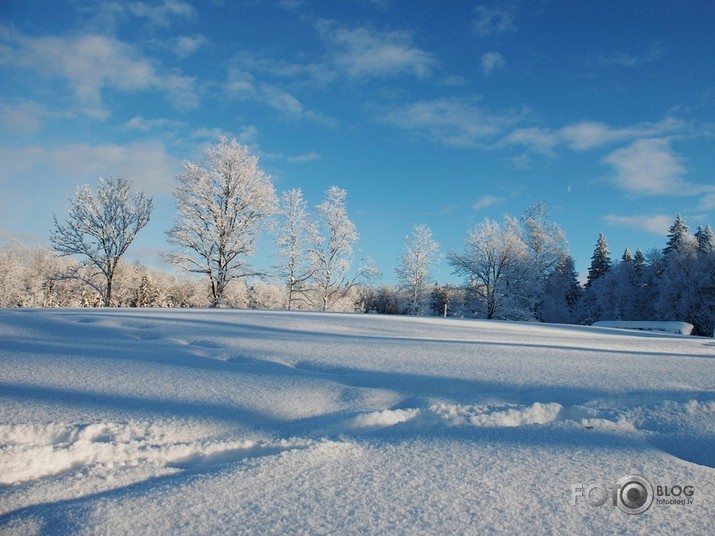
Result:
[[656, 224], [91, 64], [493, 20], [485, 201], [243, 85], [588, 135], [451, 122], [141, 124], [648, 167], [300, 158], [538, 140], [27, 116], [365, 53], [146, 163], [492, 61], [654, 52], [162, 14], [186, 45]]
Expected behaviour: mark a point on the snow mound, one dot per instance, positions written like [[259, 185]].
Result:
[[33, 451], [679, 328]]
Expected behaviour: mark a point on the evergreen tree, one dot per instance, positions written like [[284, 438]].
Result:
[[438, 300], [638, 263], [676, 237], [562, 293], [147, 295], [600, 261], [706, 241], [627, 256]]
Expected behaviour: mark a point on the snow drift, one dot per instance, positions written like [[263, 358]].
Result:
[[214, 422], [680, 328]]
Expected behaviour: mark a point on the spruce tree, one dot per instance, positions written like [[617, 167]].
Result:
[[600, 261], [639, 263], [676, 236], [706, 241]]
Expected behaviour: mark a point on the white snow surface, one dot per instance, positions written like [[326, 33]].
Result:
[[251, 422]]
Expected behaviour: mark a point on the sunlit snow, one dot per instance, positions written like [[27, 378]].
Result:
[[230, 422]]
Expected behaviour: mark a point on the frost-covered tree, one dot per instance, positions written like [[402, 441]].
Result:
[[679, 285], [545, 240], [296, 234], [100, 227], [546, 245], [495, 262], [332, 249], [222, 205], [562, 292], [678, 237], [413, 271], [706, 240], [600, 261]]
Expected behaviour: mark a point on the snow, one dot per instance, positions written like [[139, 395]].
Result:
[[243, 422], [680, 328]]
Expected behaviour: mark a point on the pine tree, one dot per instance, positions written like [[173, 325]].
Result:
[[627, 256], [600, 261]]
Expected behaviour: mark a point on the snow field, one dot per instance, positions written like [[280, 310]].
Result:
[[208, 422]]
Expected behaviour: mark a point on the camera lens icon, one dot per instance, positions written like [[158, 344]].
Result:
[[635, 494]]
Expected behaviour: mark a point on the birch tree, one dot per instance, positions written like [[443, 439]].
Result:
[[495, 262], [413, 271], [100, 227], [222, 205], [296, 234], [332, 250]]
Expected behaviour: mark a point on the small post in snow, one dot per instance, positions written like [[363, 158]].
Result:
[[445, 310]]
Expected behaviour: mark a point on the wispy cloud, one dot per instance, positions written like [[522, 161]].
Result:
[[146, 163], [588, 135], [452, 122], [492, 61], [364, 53], [493, 20], [654, 52], [28, 116], [162, 14], [485, 202], [186, 45], [657, 224], [92, 64], [245, 85]]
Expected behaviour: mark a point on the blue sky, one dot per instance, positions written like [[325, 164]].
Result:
[[441, 113]]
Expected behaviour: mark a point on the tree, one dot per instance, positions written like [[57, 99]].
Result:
[[706, 240], [100, 227], [495, 262], [600, 261], [678, 237], [545, 240], [562, 292], [297, 234], [413, 271], [546, 245], [332, 248], [222, 205]]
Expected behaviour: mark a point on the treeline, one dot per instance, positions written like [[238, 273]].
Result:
[[517, 269]]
